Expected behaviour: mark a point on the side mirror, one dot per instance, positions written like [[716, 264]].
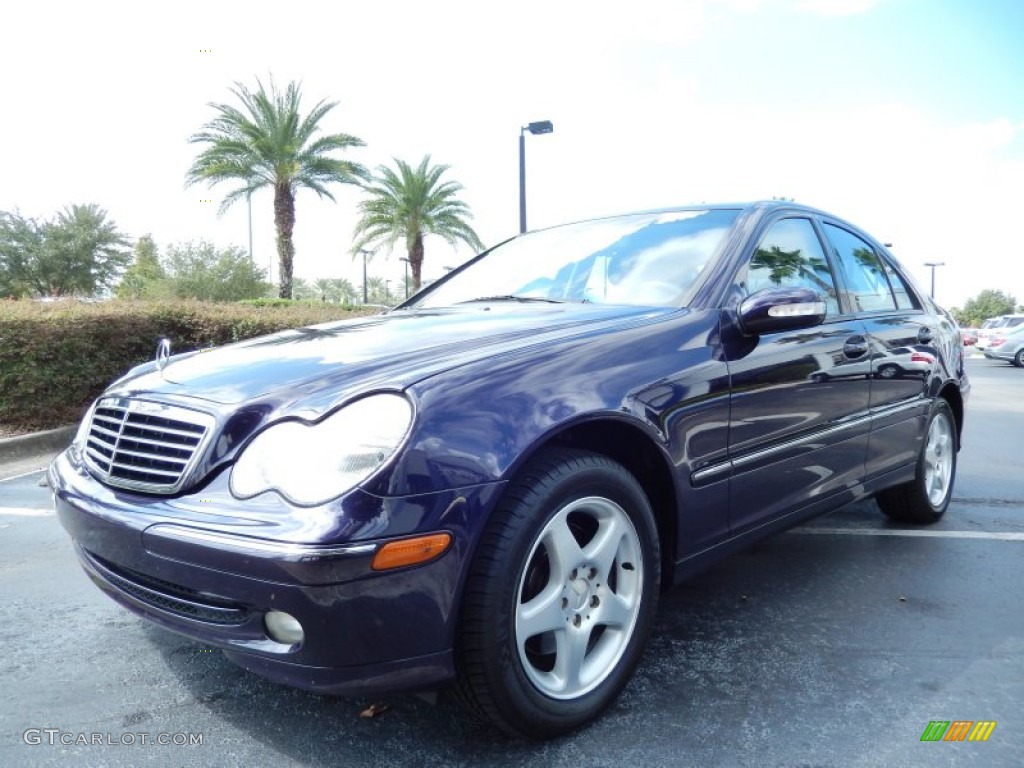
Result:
[[781, 309]]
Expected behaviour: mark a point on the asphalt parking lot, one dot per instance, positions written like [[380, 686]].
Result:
[[835, 644]]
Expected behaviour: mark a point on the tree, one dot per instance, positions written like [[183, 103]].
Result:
[[336, 290], [145, 278], [79, 253], [199, 271], [301, 289], [21, 244], [268, 143], [409, 205], [375, 290], [988, 303]]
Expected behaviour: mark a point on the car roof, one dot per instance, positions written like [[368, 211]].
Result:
[[747, 207], [999, 318]]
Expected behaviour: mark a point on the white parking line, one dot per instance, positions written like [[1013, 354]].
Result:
[[989, 535], [23, 474], [25, 512]]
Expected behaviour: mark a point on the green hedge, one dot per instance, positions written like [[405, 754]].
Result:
[[55, 358]]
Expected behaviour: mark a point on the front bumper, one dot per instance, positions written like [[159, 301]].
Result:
[[212, 572]]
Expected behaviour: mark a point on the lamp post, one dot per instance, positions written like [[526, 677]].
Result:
[[365, 254], [402, 258], [933, 265], [539, 127], [387, 293], [248, 200]]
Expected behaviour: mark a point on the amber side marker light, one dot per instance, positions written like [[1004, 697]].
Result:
[[396, 554]]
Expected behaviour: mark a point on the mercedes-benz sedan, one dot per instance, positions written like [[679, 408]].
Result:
[[489, 485]]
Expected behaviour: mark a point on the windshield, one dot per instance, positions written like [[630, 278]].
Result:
[[652, 259]]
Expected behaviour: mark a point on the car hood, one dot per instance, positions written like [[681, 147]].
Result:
[[322, 365]]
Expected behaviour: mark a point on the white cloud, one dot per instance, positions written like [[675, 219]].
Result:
[[836, 7]]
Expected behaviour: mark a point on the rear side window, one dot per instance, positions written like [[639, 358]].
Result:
[[790, 255], [904, 298], [867, 285]]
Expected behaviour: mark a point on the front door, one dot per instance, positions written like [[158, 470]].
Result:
[[799, 400]]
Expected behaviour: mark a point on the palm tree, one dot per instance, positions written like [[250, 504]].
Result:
[[375, 289], [268, 143], [409, 205], [336, 290]]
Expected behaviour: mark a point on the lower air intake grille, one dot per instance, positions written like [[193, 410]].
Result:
[[166, 596]]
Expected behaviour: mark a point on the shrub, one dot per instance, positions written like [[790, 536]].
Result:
[[55, 358]]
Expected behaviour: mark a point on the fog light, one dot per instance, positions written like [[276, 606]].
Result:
[[283, 627]]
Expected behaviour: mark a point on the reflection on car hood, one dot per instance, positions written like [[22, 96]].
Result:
[[392, 350]]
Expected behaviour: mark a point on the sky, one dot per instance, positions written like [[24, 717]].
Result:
[[905, 117]]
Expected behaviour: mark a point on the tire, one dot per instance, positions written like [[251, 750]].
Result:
[[560, 596], [925, 498], [1018, 359], [889, 371]]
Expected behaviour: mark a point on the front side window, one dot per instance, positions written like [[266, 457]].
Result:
[[790, 255], [867, 286]]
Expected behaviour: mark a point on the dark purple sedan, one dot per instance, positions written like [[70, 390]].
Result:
[[489, 485]]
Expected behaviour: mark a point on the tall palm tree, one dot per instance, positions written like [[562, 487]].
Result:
[[269, 143], [409, 205]]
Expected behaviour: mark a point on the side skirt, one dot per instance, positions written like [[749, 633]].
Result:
[[704, 559]]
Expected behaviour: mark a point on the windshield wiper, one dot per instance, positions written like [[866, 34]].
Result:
[[513, 297]]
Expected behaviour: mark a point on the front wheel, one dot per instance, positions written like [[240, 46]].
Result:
[[560, 596], [925, 498], [1018, 359]]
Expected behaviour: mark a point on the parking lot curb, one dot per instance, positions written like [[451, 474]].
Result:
[[24, 446]]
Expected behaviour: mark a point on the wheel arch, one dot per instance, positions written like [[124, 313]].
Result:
[[636, 450], [951, 394]]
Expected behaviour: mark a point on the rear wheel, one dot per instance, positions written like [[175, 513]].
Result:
[[560, 596], [889, 371], [925, 498]]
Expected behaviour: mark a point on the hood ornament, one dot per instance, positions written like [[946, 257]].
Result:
[[163, 353]]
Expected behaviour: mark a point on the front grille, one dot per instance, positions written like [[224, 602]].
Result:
[[166, 596], [143, 445]]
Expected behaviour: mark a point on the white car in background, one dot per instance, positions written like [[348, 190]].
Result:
[[1007, 344], [993, 325]]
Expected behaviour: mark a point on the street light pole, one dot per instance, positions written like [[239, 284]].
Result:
[[365, 254], [248, 199], [522, 181], [402, 258], [539, 127], [933, 265]]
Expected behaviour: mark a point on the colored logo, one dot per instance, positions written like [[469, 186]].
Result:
[[958, 730]]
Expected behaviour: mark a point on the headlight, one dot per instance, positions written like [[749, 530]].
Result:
[[311, 464], [82, 436]]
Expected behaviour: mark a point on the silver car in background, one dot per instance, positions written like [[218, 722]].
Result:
[[996, 325], [1007, 344]]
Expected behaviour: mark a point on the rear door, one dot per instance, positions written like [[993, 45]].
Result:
[[901, 333]]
